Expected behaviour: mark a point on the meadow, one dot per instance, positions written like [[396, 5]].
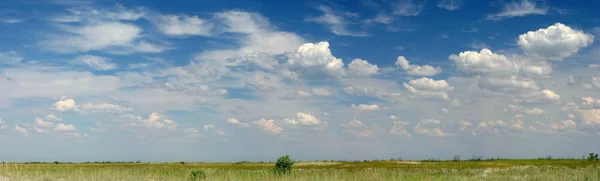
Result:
[[493, 169]]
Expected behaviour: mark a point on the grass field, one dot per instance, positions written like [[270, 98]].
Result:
[[567, 169]]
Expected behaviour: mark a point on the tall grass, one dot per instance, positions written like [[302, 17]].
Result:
[[501, 169]]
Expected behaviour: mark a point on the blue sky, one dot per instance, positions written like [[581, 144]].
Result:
[[241, 80]]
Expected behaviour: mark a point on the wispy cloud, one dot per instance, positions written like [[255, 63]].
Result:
[[409, 8], [450, 5], [518, 9], [338, 22]]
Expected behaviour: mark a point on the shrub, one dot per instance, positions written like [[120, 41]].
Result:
[[283, 165], [593, 157], [197, 175]]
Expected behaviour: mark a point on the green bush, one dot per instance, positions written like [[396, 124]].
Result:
[[283, 165], [197, 175], [593, 157]]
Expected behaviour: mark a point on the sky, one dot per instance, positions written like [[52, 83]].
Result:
[[238, 80]]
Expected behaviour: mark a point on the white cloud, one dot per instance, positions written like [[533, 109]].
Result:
[[408, 8], [94, 37], [311, 55], [518, 9], [394, 117], [484, 62], [65, 127], [450, 5], [357, 129], [308, 120], [590, 117], [158, 120], [337, 22], [10, 58], [428, 88], [182, 25], [243, 22], [236, 122], [208, 127], [65, 105], [361, 67], [430, 121], [366, 107], [52, 117], [436, 132], [192, 132], [566, 124], [104, 107], [21, 130], [97, 62], [508, 84], [398, 128], [41, 123], [464, 124], [320, 92], [425, 70], [589, 103], [2, 124], [556, 42], [268, 126], [544, 96]]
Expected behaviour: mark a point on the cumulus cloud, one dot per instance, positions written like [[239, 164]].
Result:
[[65, 105], [361, 67], [484, 62], [268, 126], [96, 62], [315, 55], [65, 127], [320, 92], [464, 125], [21, 130], [518, 9], [236, 122], [158, 120], [192, 132], [52, 117], [563, 125], [436, 132], [556, 42], [41, 123], [429, 88], [366, 107], [305, 119], [418, 70]]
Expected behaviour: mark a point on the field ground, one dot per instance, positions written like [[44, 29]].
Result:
[[381, 170]]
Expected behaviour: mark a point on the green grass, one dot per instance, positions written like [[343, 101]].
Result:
[[540, 169]]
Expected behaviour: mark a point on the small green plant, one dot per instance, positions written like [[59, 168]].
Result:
[[283, 165], [197, 175], [593, 157]]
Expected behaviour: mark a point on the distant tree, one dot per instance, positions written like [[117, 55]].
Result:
[[283, 165], [456, 158]]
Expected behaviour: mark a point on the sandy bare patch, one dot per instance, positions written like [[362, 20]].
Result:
[[4, 178], [408, 162], [316, 163]]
